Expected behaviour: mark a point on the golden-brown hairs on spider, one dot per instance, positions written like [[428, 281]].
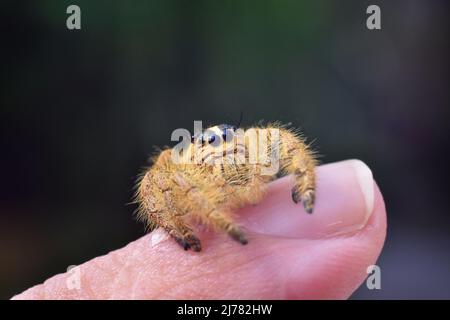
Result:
[[177, 196]]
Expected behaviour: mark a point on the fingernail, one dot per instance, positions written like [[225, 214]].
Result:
[[360, 208], [365, 180], [344, 203]]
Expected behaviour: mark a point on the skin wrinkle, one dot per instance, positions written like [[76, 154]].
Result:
[[49, 285], [163, 265], [87, 287], [46, 284], [112, 259], [107, 273], [42, 294], [310, 284], [169, 274], [265, 258], [136, 282], [210, 264], [123, 269], [233, 268], [149, 261]]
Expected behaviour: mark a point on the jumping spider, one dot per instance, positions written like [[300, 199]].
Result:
[[172, 194]]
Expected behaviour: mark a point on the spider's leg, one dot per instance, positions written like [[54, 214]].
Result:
[[297, 159], [182, 233], [205, 199], [158, 208], [221, 220]]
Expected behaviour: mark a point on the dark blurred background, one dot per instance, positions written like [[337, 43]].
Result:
[[82, 110]]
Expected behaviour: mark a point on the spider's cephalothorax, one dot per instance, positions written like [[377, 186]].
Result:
[[219, 172]]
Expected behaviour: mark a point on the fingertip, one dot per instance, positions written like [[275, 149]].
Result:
[[342, 203], [333, 268]]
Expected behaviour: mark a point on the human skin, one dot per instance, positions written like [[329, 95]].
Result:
[[290, 254]]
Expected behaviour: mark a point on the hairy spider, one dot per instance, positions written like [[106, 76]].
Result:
[[218, 172]]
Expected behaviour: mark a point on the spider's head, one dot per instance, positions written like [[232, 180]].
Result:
[[216, 135], [220, 140]]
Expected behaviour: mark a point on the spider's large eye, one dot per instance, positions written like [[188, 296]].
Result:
[[227, 135], [212, 138], [197, 138]]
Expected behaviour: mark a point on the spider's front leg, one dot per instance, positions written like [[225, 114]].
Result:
[[299, 160], [182, 234], [170, 195], [157, 208], [206, 198]]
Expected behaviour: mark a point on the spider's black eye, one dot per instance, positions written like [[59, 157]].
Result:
[[197, 138], [227, 135], [212, 138]]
